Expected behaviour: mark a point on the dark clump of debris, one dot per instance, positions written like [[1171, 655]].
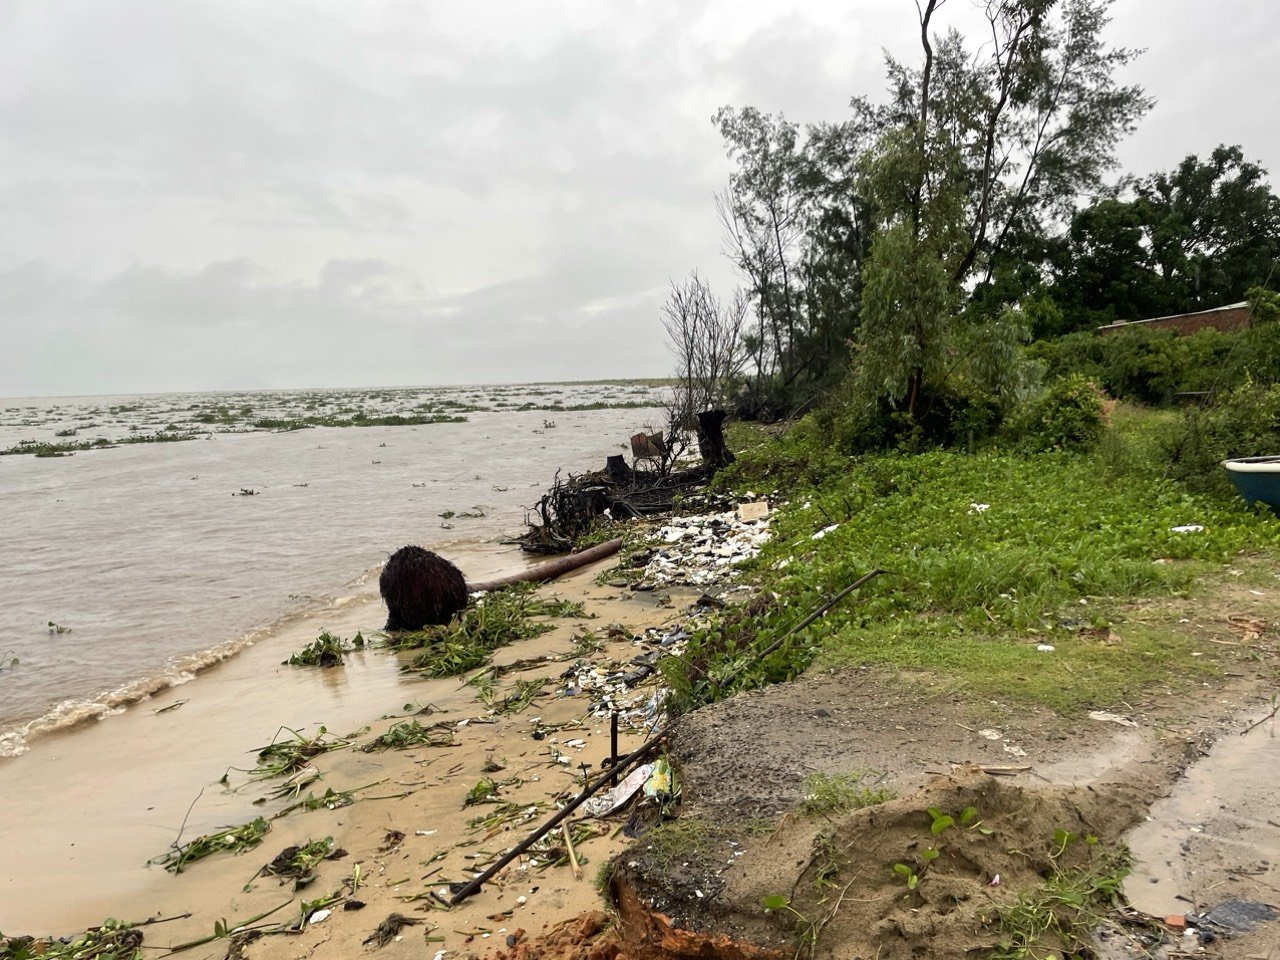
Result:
[[572, 508], [389, 929]]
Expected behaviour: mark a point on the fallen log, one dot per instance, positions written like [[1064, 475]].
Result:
[[553, 569]]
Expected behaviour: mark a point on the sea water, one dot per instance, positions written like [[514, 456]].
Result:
[[130, 568]]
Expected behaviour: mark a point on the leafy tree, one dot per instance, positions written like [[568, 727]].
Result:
[[981, 149], [1105, 271], [795, 228], [1213, 228]]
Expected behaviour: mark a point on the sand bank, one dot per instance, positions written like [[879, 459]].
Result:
[[88, 808]]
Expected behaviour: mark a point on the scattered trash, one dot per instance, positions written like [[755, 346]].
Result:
[[1231, 917], [1045, 647], [701, 550], [609, 801], [1105, 717], [319, 917], [979, 507], [661, 782], [824, 531], [995, 881], [1188, 528]]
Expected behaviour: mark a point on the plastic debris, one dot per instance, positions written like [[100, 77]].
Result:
[[701, 550], [605, 803], [661, 782], [1045, 647], [1188, 528], [1232, 917], [979, 507], [1105, 717]]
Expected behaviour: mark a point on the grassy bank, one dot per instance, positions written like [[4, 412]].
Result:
[[992, 557]]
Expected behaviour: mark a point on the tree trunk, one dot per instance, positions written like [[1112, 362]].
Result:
[[711, 443]]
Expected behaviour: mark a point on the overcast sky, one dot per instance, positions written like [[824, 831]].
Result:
[[226, 194]]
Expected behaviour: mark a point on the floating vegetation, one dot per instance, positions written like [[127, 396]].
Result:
[[112, 940], [232, 839], [58, 628], [327, 651], [41, 448], [410, 733], [330, 800], [8, 662], [495, 620], [281, 758], [298, 863]]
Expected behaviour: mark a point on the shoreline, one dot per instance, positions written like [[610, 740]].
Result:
[[133, 779], [16, 735]]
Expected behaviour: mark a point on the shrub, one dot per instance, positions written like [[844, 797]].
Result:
[[1071, 414], [1245, 423]]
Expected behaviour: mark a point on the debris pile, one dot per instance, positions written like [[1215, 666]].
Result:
[[701, 551]]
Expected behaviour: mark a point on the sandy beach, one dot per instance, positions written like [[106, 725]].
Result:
[[88, 810]]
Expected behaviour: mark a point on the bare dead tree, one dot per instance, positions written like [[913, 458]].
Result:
[[706, 337]]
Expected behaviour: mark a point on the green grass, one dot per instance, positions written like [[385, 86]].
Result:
[[840, 792], [1062, 543], [1057, 918]]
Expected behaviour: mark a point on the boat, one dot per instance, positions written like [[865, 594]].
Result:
[[1256, 478]]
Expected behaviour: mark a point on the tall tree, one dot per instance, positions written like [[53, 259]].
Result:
[[981, 146], [1213, 228]]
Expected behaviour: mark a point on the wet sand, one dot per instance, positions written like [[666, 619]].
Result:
[[87, 809]]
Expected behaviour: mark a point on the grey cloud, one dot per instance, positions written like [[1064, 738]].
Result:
[[230, 192]]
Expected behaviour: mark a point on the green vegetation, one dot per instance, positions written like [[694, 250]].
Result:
[[298, 863], [112, 940], [232, 839], [1060, 916], [326, 651], [992, 555], [495, 620], [62, 449], [281, 758], [410, 733], [837, 793]]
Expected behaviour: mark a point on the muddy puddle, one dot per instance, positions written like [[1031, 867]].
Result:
[[1217, 835]]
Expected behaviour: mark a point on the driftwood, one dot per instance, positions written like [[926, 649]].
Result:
[[570, 508], [553, 568]]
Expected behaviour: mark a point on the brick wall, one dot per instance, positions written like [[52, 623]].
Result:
[[1226, 319]]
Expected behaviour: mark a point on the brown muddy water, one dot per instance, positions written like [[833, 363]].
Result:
[[160, 559], [175, 588]]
